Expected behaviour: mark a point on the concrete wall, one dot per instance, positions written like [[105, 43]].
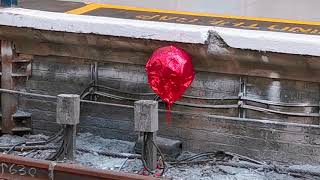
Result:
[[267, 136]]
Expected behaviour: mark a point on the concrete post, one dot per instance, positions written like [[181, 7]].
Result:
[[68, 114], [146, 121]]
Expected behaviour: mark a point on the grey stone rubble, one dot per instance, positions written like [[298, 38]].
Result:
[[184, 172]]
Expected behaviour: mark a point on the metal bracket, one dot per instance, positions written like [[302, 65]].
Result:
[[94, 80], [242, 93]]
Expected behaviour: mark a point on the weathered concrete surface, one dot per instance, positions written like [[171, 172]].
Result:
[[136, 51], [146, 116], [68, 109], [267, 137]]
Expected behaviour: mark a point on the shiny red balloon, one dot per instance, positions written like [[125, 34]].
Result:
[[170, 73]]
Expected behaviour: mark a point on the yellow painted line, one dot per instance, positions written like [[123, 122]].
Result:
[[84, 9], [94, 6]]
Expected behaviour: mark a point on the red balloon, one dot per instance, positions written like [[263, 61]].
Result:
[[170, 73]]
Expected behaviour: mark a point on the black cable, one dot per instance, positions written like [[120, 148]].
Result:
[[190, 158], [91, 85], [55, 136], [222, 106], [156, 98], [28, 153], [84, 91], [50, 139], [150, 94], [162, 158], [13, 147], [124, 92], [60, 150]]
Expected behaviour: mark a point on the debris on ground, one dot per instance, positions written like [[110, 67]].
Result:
[[90, 148]]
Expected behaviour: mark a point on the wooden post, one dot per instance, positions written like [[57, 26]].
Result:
[[150, 150], [8, 101], [69, 142], [68, 114], [146, 121]]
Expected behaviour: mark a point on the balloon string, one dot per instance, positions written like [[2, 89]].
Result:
[[168, 114]]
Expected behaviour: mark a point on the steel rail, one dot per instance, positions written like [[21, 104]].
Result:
[[21, 168]]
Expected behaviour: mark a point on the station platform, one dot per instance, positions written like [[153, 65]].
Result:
[[287, 26], [243, 14]]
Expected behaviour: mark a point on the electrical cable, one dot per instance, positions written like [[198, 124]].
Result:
[[223, 106], [60, 150], [13, 147], [190, 158], [30, 144], [123, 164], [162, 158], [152, 94], [157, 98], [49, 140], [28, 153], [144, 163]]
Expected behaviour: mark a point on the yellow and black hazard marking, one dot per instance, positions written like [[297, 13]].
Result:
[[204, 19]]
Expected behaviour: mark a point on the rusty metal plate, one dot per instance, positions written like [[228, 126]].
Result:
[[17, 168]]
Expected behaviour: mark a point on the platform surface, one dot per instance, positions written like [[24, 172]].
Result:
[[283, 26], [291, 16]]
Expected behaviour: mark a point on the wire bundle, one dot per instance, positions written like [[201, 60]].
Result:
[[143, 156]]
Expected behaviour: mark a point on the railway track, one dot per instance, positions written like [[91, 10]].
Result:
[[21, 168]]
